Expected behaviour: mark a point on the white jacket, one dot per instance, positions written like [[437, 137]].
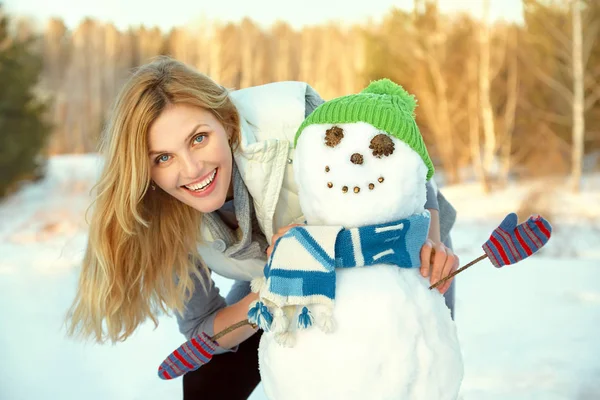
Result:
[[270, 116]]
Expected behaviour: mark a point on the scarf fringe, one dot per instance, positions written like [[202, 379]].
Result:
[[280, 321], [325, 321], [257, 284], [260, 315], [305, 319], [277, 320]]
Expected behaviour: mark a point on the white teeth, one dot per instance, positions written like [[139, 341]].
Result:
[[204, 183]]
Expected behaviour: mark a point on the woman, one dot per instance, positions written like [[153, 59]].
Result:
[[198, 179]]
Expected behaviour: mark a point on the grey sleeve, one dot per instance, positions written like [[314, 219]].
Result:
[[447, 216], [239, 290], [437, 201], [200, 311], [312, 100], [432, 202]]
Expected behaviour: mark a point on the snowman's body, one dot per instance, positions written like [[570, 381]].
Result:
[[393, 337], [393, 340]]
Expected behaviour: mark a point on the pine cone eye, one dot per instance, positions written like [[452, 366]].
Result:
[[333, 136], [382, 145]]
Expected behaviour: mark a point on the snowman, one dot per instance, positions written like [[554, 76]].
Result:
[[346, 313]]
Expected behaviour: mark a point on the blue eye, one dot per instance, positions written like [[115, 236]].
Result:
[[199, 139], [162, 158]]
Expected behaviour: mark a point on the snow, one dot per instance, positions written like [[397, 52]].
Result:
[[527, 331]]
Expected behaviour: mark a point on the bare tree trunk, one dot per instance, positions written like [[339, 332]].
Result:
[[474, 142], [281, 44], [578, 99], [203, 44], [56, 56], [437, 102], [230, 41], [110, 82], [250, 38], [445, 136], [356, 47], [512, 96], [214, 54], [487, 115]]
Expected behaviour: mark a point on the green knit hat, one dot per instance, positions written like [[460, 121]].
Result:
[[383, 104]]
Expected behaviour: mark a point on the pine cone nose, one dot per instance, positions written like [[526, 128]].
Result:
[[356, 158]]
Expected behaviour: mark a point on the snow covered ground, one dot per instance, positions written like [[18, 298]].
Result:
[[529, 331]]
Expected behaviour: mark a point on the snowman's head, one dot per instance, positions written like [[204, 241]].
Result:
[[368, 166]]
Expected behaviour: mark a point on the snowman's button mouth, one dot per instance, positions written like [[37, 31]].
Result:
[[356, 189]]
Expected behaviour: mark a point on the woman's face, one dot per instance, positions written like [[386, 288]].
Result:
[[190, 156]]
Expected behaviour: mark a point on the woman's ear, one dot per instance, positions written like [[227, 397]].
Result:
[[229, 135]]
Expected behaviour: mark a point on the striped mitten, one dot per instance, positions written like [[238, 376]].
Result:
[[190, 356], [510, 243]]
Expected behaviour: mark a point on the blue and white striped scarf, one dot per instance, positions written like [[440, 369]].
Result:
[[300, 274]]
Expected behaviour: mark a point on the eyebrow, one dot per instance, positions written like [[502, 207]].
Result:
[[192, 133]]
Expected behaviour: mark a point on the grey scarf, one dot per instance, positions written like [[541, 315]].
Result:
[[247, 241]]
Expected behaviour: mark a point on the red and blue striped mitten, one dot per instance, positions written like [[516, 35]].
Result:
[[510, 243], [190, 356]]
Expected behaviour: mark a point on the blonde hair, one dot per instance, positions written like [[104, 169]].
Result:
[[141, 253]]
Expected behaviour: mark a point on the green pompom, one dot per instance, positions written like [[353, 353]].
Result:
[[387, 87]]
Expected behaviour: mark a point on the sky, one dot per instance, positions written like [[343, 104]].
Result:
[[265, 12]]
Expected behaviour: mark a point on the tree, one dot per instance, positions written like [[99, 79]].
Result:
[[23, 131], [565, 33], [578, 96], [511, 89], [487, 114]]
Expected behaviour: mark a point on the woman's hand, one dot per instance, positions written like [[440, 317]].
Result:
[[282, 231], [437, 262]]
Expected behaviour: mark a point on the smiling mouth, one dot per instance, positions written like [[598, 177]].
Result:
[[203, 185]]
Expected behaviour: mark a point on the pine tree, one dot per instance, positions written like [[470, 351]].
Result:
[[23, 130]]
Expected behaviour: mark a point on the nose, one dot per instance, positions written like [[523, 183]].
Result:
[[190, 167], [356, 158]]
